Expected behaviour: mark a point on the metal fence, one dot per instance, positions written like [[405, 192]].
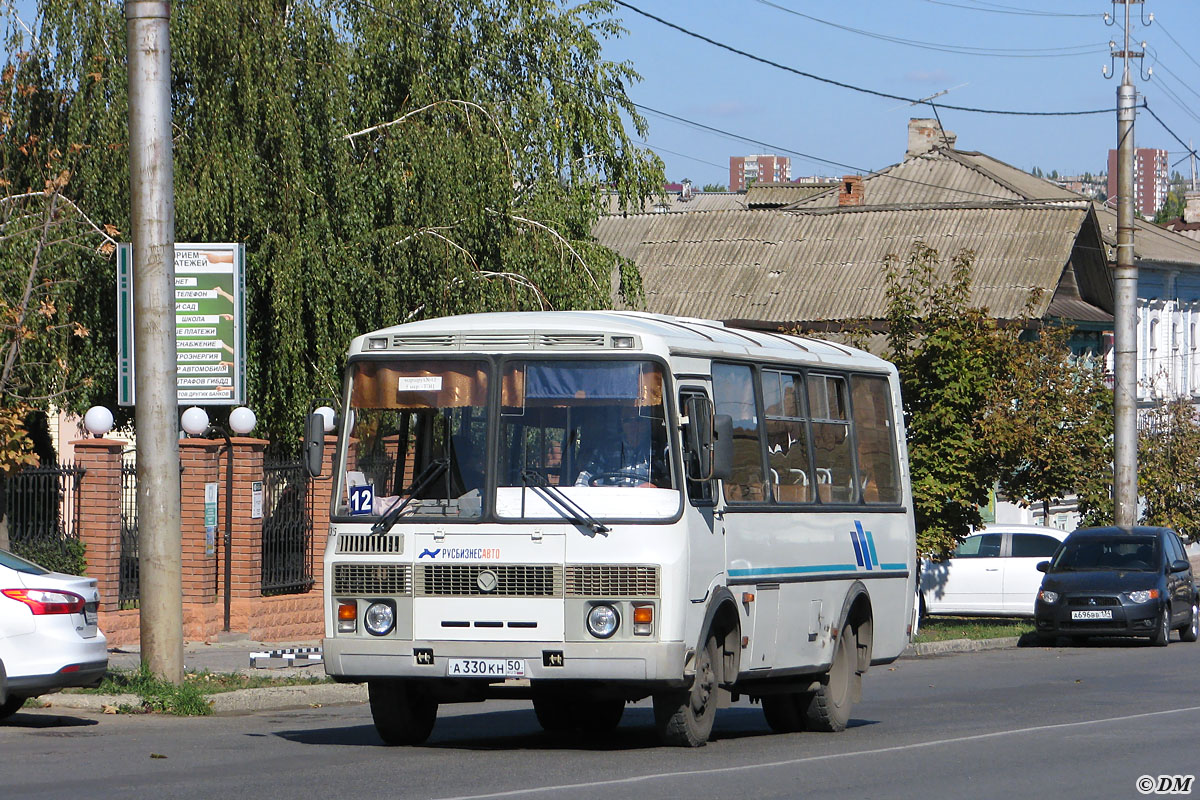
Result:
[[129, 592], [42, 504], [287, 546]]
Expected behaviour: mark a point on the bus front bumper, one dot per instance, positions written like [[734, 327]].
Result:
[[360, 659]]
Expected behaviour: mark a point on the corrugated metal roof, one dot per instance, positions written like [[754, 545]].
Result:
[[820, 265], [674, 203], [773, 195], [1150, 242], [944, 175]]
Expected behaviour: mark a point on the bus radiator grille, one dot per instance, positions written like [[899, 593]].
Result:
[[612, 580], [372, 579], [511, 580]]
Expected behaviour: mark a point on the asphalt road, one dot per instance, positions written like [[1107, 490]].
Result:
[[1076, 722]]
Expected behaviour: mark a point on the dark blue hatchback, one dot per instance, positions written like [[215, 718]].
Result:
[[1118, 582]]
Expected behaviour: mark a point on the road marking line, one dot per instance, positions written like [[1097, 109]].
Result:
[[811, 759]]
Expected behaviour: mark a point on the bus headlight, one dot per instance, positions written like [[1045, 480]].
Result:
[[603, 621], [380, 618]]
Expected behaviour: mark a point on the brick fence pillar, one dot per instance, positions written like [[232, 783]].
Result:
[[200, 553], [247, 531], [100, 517]]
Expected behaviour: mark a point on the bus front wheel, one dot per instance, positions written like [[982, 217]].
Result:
[[685, 719], [402, 714]]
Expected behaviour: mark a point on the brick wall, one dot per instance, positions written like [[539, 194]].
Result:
[[282, 618]]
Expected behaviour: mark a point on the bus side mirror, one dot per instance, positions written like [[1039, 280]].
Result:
[[723, 447], [314, 444]]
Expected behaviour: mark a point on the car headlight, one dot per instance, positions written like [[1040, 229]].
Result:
[[603, 621], [1048, 596], [380, 618], [1142, 595]]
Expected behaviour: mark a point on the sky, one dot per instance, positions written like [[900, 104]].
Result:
[[1005, 55]]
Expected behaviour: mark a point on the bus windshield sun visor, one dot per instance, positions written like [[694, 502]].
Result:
[[419, 484], [557, 497]]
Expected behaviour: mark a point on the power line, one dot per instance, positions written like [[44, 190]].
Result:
[[994, 52], [1174, 136], [852, 87], [999, 9]]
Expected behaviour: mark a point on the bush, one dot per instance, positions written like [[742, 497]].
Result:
[[69, 556]]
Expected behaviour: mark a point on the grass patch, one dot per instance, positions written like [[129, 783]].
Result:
[[940, 629], [190, 699]]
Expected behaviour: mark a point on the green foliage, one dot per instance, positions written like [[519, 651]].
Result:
[[69, 556], [1172, 207], [156, 695], [942, 629], [381, 161], [1169, 467], [1052, 419], [948, 354], [715, 187]]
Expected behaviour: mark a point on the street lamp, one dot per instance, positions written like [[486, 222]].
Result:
[[242, 420], [98, 420]]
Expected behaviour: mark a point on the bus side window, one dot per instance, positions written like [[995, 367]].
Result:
[[787, 438], [733, 393], [829, 408], [878, 470]]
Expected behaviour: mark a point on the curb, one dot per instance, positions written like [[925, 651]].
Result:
[[240, 701], [951, 646]]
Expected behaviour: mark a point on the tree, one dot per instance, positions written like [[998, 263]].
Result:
[[715, 187], [382, 162], [1169, 467], [1051, 419], [948, 355]]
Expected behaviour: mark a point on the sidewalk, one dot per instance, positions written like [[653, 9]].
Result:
[[233, 655]]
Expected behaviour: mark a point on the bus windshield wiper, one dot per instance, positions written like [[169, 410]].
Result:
[[569, 507], [427, 476]]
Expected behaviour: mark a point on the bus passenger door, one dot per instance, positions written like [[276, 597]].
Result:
[[705, 525]]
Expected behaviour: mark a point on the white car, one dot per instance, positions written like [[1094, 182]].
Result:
[[993, 572], [48, 634]]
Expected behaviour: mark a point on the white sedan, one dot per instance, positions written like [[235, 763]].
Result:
[[48, 634], [993, 572]]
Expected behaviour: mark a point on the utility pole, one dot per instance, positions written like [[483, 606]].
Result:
[[152, 210], [1125, 278]]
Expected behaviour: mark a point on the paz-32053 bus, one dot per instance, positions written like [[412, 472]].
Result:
[[586, 509]]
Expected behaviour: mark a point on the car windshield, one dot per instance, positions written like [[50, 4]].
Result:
[[19, 564], [594, 431], [1126, 553], [417, 433]]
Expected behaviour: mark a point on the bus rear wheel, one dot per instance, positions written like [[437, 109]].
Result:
[[685, 719], [402, 714], [787, 712], [831, 702]]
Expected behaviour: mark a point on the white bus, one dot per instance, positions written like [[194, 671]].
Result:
[[586, 509]]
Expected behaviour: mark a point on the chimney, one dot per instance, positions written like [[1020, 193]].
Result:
[[685, 193], [851, 192], [926, 134], [1191, 208]]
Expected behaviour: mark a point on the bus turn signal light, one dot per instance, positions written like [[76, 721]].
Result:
[[347, 617]]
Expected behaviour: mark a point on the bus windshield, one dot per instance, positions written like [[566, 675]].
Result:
[[595, 431], [574, 436], [417, 434]]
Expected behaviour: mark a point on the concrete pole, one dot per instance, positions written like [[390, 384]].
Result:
[[1125, 318], [152, 210]]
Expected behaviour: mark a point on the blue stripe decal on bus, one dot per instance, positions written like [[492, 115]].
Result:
[[870, 543], [858, 552], [758, 571], [898, 565], [860, 542]]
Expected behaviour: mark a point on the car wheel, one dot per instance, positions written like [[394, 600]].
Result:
[[1191, 631], [402, 715], [685, 719], [1162, 633], [831, 703], [11, 706]]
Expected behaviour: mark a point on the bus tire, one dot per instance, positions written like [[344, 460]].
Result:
[[787, 712], [553, 710], [685, 719], [402, 715], [833, 699]]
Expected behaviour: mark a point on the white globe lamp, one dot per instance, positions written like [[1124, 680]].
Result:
[[98, 420], [242, 420], [328, 415], [194, 421]]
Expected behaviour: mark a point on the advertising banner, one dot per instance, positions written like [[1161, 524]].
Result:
[[210, 341]]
